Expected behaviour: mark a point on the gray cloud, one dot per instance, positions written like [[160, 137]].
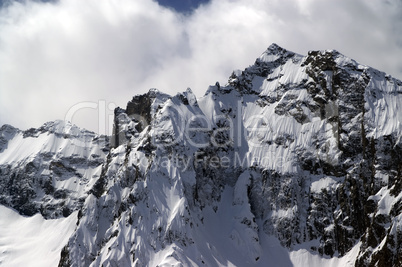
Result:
[[102, 52]]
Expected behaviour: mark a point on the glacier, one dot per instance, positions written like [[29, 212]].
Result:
[[296, 161]]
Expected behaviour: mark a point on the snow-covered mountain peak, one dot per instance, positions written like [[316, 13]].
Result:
[[296, 161], [7, 132], [187, 97], [275, 49], [275, 53], [59, 127]]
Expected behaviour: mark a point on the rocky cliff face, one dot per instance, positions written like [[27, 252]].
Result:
[[49, 169], [302, 149]]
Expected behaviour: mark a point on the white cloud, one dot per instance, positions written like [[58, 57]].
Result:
[[54, 56]]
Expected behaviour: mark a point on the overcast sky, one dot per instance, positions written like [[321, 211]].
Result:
[[80, 59]]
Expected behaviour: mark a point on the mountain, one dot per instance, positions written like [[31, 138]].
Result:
[[296, 161]]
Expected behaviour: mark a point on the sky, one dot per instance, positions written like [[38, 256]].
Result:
[[182, 6], [78, 60]]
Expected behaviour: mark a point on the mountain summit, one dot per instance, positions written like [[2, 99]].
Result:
[[296, 161]]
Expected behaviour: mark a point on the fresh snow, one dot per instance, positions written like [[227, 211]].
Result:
[[147, 209], [302, 257], [32, 241], [222, 233], [323, 183]]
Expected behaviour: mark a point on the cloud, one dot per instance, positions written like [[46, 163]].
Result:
[[100, 53]]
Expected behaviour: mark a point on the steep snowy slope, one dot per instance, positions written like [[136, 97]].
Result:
[[297, 160], [49, 169], [32, 241]]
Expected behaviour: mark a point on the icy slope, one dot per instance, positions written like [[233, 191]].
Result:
[[32, 241], [297, 160], [49, 169]]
